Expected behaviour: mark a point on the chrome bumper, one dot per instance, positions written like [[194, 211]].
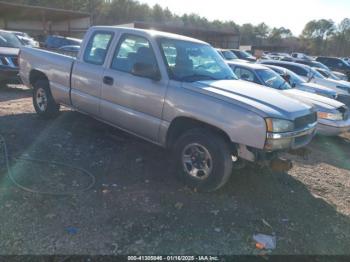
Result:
[[290, 140], [309, 129], [333, 128]]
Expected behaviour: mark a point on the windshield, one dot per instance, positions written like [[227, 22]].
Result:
[[228, 55], [320, 65], [315, 73], [272, 79], [328, 74], [9, 40], [190, 61], [294, 78], [244, 54]]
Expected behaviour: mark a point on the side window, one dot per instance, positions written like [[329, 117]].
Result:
[[245, 74], [300, 71], [133, 50], [296, 69], [97, 48]]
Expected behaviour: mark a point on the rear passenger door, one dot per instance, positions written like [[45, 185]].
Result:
[[87, 74], [131, 102]]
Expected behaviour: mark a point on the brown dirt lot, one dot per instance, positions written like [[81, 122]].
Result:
[[137, 206]]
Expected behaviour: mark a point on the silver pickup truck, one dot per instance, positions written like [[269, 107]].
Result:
[[174, 91]]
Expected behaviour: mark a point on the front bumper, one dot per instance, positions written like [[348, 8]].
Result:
[[290, 140], [332, 128], [9, 75]]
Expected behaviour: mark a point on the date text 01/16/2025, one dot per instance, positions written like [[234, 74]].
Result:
[[173, 258]]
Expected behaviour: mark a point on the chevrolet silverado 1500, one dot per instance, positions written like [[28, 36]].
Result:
[[174, 91]]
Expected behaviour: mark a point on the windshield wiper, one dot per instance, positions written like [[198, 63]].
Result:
[[197, 77]]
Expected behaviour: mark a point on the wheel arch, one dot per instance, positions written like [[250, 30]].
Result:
[[179, 125], [36, 75]]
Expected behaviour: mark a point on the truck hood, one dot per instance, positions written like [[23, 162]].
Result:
[[338, 82], [263, 100], [317, 101], [317, 88], [9, 51], [339, 74]]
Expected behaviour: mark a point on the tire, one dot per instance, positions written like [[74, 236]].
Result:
[[43, 102], [196, 169]]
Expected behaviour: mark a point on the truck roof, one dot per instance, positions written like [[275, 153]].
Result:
[[150, 33]]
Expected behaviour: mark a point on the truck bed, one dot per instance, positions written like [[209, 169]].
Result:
[[57, 68]]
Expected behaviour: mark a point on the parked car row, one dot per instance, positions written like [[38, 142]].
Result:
[[333, 116], [12, 41], [9, 48], [340, 67], [299, 79]]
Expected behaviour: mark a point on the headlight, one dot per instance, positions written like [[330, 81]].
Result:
[[330, 116], [275, 125]]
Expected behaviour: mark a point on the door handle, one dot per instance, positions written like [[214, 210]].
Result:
[[108, 80]]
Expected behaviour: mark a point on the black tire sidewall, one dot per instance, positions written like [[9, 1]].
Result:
[[221, 157], [52, 108]]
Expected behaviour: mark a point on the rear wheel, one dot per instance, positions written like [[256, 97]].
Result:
[[204, 159], [44, 104]]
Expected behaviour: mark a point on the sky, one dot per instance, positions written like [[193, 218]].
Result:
[[275, 13]]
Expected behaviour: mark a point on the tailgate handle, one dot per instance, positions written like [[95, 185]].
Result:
[[108, 80]]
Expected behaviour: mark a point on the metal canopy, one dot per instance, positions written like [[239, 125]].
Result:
[[27, 12]]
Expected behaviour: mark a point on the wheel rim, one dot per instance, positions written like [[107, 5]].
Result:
[[41, 99], [197, 161]]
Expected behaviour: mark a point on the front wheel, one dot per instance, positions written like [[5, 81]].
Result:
[[204, 159], [44, 104]]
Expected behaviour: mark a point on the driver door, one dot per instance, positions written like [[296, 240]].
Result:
[[131, 102]]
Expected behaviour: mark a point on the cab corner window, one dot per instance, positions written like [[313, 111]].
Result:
[[97, 48]]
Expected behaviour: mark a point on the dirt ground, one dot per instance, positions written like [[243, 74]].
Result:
[[137, 205]]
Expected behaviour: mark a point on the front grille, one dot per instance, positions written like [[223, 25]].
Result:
[[3, 61], [303, 121], [10, 61], [15, 61]]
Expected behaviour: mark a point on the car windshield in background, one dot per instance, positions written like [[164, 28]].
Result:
[[328, 74], [294, 78], [229, 55], [9, 40], [245, 54], [320, 65], [315, 73], [189, 61], [272, 79]]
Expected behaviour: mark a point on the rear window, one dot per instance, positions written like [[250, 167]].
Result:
[[296, 69]]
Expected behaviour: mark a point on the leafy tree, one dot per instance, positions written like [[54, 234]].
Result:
[[277, 34]]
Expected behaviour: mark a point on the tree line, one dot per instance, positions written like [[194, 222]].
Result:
[[318, 37]]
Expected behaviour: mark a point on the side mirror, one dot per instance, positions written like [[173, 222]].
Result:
[[146, 70]]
